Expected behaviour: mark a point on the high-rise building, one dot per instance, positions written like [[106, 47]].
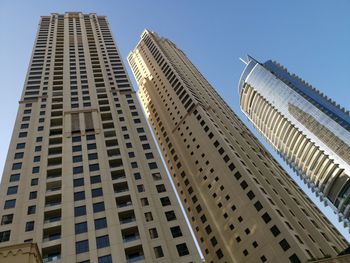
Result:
[[83, 178], [242, 205], [309, 131]]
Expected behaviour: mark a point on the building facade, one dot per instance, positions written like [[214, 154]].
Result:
[[242, 205], [83, 178], [309, 131]]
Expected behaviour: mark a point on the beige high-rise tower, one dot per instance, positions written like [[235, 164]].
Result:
[[242, 205], [83, 178]]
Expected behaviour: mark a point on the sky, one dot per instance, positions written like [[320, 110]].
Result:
[[311, 38]]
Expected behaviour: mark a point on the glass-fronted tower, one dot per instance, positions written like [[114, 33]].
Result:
[[242, 205], [309, 130], [83, 178]]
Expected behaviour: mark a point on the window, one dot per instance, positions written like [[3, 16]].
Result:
[[152, 165], [20, 146], [78, 182], [182, 249], [156, 176], [34, 181], [16, 166], [77, 159], [140, 188], [76, 139], [12, 190], [170, 215], [81, 246], [266, 217], [92, 156], [98, 207], [160, 188], [165, 201], [144, 201], [275, 231], [95, 179], [35, 170], [158, 251], [76, 148], [105, 259], [91, 146], [14, 177], [78, 170], [81, 228], [258, 206], [79, 196], [90, 137], [148, 216], [22, 134], [33, 195], [94, 167], [10, 204], [36, 159], [79, 211], [176, 231], [284, 244], [37, 148], [29, 226], [96, 192], [19, 155], [293, 258], [213, 241], [31, 210], [7, 219], [102, 241], [100, 223], [5, 236], [219, 254]]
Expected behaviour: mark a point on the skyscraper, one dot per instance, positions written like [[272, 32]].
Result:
[[242, 205], [309, 131], [83, 178]]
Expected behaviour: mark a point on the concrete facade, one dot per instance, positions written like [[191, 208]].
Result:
[[242, 205], [20, 253], [83, 177]]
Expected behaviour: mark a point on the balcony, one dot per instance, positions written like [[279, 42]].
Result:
[[53, 200], [53, 233], [127, 217], [123, 201], [118, 175], [134, 254], [53, 186], [120, 187], [51, 254], [52, 216], [130, 234]]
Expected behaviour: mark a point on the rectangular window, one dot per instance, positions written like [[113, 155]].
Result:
[[98, 207], [12, 190], [82, 246], [102, 241], [31, 210], [96, 192], [79, 211], [95, 179], [7, 219], [79, 196], [10, 204], [105, 259], [5, 236], [100, 223], [14, 177], [29, 226], [81, 228], [182, 249]]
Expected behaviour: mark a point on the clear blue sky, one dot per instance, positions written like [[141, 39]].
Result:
[[311, 38]]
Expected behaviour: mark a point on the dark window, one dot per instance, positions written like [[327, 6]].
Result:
[[293, 258], [19, 155], [78, 170], [170, 215], [7, 219], [90, 137], [266, 217], [31, 210], [79, 211], [37, 148], [250, 195], [36, 159], [76, 139], [176, 231], [94, 167], [105, 259], [14, 177], [35, 170], [12, 190], [152, 165], [160, 188], [34, 181], [77, 159], [5, 236], [98, 207], [100, 223], [102, 241], [81, 228], [182, 249], [29, 226], [219, 254], [158, 251], [79, 196], [244, 184], [92, 156], [165, 201], [95, 179], [33, 195], [91, 146], [96, 192], [78, 182], [10, 204], [275, 231], [258, 206], [76, 148], [149, 155], [20, 146], [16, 166], [81, 246], [284, 244]]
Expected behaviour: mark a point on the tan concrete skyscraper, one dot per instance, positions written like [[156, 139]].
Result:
[[242, 205], [83, 178]]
